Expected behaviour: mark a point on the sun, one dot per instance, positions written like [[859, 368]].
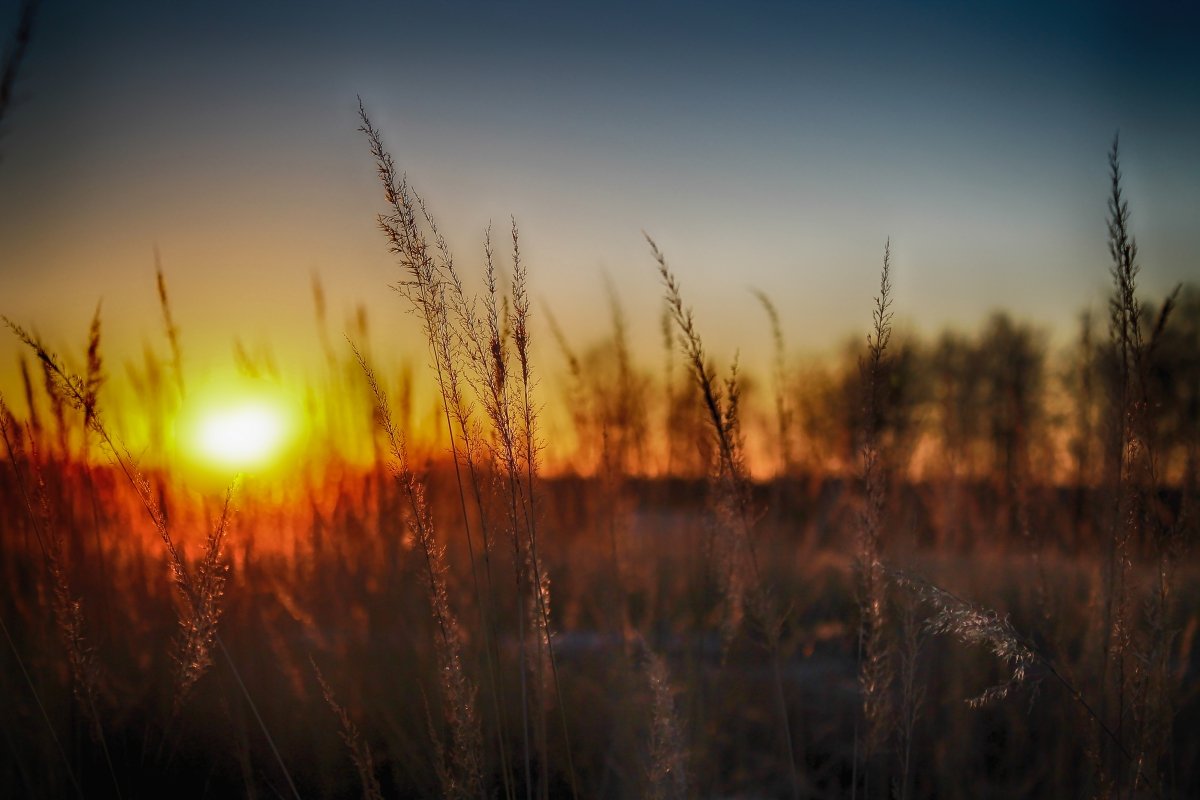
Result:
[[243, 430], [241, 436]]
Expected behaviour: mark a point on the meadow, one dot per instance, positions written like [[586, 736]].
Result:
[[948, 567]]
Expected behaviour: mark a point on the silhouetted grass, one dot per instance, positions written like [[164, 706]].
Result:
[[655, 618]]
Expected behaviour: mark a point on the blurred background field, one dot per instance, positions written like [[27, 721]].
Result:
[[999, 490], [313, 490]]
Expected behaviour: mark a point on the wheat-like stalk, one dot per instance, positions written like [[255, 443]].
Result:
[[974, 625], [744, 583], [201, 593], [783, 411], [169, 327], [460, 764], [731, 488], [457, 331], [451, 329], [199, 627], [360, 753], [875, 667], [1138, 653], [978, 625], [67, 608], [667, 757]]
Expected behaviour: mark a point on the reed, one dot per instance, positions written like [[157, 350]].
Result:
[[612, 650], [1136, 650], [474, 347], [460, 763], [434, 290], [744, 585], [875, 674], [169, 327], [65, 605], [200, 609], [783, 411], [360, 753]]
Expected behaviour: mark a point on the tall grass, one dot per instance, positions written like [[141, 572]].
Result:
[[200, 592], [479, 347], [460, 763], [744, 584], [67, 608], [874, 644], [1135, 669], [800, 614], [783, 411]]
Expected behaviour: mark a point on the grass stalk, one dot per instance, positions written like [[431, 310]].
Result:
[[783, 414], [874, 656], [747, 584], [360, 753], [461, 767], [531, 446], [436, 294], [262, 725], [66, 607]]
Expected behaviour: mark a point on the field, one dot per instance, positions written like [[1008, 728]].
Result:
[[951, 568]]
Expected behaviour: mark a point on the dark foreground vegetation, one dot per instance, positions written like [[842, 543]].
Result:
[[971, 575]]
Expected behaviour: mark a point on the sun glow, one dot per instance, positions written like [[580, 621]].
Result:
[[240, 429], [241, 436]]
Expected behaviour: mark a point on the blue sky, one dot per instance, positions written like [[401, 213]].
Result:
[[771, 145]]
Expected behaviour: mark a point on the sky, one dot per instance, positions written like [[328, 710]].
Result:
[[774, 146]]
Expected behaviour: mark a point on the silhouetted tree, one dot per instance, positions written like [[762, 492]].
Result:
[[1013, 363], [956, 381]]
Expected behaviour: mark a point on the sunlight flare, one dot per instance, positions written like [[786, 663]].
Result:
[[241, 436], [243, 429]]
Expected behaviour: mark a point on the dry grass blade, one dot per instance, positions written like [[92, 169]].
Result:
[[693, 348], [744, 581], [530, 448], [668, 759], [974, 625], [1136, 647], [360, 753], [200, 610], [912, 694], [461, 763], [730, 495], [199, 629], [579, 399], [94, 376], [172, 332], [783, 413], [875, 663], [67, 608]]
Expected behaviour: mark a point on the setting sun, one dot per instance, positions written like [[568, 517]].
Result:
[[237, 425], [242, 436], [594, 400]]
